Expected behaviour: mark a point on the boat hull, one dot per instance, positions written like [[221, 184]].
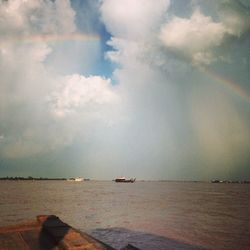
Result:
[[125, 180]]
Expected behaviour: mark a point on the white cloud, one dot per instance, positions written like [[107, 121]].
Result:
[[197, 37], [77, 91], [133, 19], [28, 17], [194, 37]]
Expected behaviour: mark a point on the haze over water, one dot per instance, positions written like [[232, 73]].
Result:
[[149, 215]]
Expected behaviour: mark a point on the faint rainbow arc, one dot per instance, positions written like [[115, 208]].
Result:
[[51, 38], [234, 87]]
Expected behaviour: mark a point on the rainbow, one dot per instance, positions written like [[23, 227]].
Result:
[[51, 38], [234, 87]]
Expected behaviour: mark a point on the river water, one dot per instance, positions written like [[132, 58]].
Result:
[[148, 215]]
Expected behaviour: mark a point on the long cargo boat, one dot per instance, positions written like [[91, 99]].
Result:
[[123, 179]]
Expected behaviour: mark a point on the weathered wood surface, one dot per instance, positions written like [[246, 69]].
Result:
[[47, 233], [130, 247]]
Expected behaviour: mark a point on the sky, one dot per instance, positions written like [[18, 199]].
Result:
[[137, 88]]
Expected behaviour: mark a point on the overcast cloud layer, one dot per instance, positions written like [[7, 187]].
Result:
[[159, 114]]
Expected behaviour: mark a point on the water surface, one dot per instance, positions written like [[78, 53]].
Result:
[[150, 215]]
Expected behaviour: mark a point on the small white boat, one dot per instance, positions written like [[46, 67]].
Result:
[[76, 179]]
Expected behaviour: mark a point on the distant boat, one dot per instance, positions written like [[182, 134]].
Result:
[[76, 179], [123, 179]]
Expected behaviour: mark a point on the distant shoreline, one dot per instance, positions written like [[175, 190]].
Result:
[[30, 178]]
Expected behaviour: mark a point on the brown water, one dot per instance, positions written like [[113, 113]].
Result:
[[149, 215]]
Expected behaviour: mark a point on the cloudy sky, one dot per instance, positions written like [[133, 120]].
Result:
[[153, 89]]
